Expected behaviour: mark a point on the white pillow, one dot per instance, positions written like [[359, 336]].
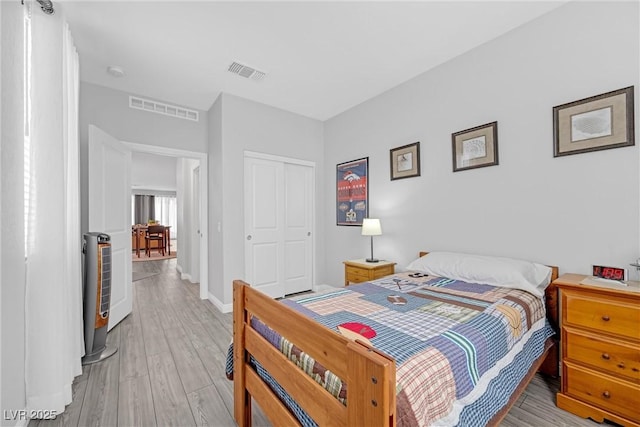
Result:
[[495, 271]]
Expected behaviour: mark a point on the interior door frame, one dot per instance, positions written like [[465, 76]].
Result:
[[312, 165], [196, 220], [204, 205]]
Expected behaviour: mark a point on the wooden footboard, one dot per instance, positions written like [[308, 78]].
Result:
[[369, 374]]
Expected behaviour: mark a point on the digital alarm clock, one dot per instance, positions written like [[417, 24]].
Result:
[[611, 273]]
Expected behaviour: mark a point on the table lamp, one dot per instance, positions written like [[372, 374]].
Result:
[[371, 227]]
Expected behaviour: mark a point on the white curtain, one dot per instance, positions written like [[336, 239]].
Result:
[[166, 213], [53, 294]]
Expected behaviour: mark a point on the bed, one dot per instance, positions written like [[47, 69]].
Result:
[[306, 368]]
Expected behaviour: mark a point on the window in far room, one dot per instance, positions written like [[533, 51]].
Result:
[[159, 208], [167, 212]]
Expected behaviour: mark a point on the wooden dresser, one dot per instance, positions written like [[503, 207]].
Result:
[[600, 350], [359, 270]]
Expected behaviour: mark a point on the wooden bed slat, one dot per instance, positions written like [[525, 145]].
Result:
[[328, 349], [324, 409], [357, 360], [273, 408]]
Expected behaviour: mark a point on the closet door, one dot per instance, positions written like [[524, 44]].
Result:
[[278, 202], [264, 225], [298, 226]]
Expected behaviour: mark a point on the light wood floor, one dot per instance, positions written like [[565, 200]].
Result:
[[169, 368]]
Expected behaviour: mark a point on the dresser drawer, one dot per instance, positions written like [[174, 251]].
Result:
[[603, 391], [361, 275], [384, 271], [616, 357], [610, 315], [356, 275]]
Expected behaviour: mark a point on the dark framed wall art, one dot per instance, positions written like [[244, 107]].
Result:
[[405, 161], [476, 147], [352, 191], [597, 123]]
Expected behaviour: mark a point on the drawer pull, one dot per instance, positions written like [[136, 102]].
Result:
[[605, 356], [634, 369], [621, 365], [606, 394], [606, 318]]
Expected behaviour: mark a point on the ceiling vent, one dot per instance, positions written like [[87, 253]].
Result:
[[246, 71], [161, 108]]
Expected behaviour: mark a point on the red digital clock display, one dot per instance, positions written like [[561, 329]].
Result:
[[612, 273]]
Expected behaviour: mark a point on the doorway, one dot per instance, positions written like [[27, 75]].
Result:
[[192, 244]]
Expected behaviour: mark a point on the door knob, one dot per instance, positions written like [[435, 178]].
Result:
[[308, 233], [249, 237]]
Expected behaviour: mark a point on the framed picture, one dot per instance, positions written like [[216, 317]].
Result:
[[405, 161], [476, 147], [352, 191], [596, 123]]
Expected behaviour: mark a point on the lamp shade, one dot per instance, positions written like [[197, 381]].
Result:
[[371, 227]]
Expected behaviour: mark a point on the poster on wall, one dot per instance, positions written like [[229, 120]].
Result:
[[352, 195]]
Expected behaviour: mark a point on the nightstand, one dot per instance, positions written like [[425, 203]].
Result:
[[600, 349], [359, 270]]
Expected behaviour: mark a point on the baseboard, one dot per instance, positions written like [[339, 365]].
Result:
[[225, 308], [184, 276]]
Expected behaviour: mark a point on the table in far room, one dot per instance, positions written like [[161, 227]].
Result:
[[138, 242]]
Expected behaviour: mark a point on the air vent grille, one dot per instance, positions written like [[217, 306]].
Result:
[[105, 291], [246, 71], [161, 108]]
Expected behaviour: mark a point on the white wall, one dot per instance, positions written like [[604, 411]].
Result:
[[153, 172], [186, 225], [216, 233], [109, 110], [247, 125], [532, 205], [180, 207], [12, 393]]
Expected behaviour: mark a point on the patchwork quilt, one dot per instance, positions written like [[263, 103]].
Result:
[[461, 349]]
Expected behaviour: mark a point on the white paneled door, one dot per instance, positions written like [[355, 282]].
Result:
[[110, 213], [298, 224], [278, 225]]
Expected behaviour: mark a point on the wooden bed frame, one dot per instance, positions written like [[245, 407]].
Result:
[[369, 373]]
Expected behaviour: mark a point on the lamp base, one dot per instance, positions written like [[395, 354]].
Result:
[[372, 260]]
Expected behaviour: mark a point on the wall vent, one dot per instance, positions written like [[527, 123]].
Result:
[[161, 108], [246, 71]]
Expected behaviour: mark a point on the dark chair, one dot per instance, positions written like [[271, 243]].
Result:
[[155, 233]]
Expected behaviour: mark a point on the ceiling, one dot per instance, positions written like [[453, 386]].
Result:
[[321, 58]]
